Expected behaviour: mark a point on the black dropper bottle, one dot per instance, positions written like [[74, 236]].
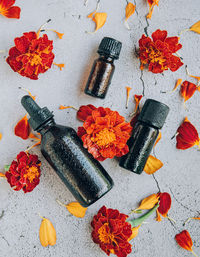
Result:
[[145, 133], [103, 68], [63, 149]]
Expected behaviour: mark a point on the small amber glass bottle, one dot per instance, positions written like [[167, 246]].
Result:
[[103, 68]]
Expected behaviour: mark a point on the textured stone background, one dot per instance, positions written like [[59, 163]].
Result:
[[180, 175]]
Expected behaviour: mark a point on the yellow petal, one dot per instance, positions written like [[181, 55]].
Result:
[[60, 35], [59, 65], [90, 16], [152, 165], [178, 82], [76, 209], [0, 136], [128, 89], [130, 9], [2, 175], [134, 233], [158, 138], [100, 19], [149, 202], [196, 27], [47, 233]]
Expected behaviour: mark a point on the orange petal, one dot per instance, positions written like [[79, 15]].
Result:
[[2, 175], [60, 65], [22, 129], [134, 233], [158, 218], [76, 209], [152, 165], [158, 138], [187, 90], [184, 240], [128, 89], [130, 9], [196, 27], [90, 16], [137, 101], [62, 107], [60, 35], [100, 19], [12, 12], [149, 202], [178, 82], [47, 233], [0, 136]]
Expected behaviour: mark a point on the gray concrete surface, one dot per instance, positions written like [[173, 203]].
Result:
[[19, 226]]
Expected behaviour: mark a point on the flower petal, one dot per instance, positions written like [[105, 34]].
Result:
[[22, 129], [76, 209], [152, 165], [12, 12], [196, 27], [165, 204], [47, 233], [184, 240], [99, 19], [149, 202], [187, 90], [130, 9]]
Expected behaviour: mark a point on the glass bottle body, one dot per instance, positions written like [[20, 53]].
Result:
[[84, 176], [100, 77], [140, 146]]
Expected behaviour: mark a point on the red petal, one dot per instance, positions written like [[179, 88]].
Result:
[[85, 111], [12, 12], [22, 129], [187, 136], [6, 4], [159, 35], [22, 44], [187, 90], [165, 204], [173, 44], [184, 240]]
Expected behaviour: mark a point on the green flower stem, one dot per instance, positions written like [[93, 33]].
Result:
[[140, 220]]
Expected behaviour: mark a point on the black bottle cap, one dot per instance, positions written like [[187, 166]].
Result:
[[38, 116], [110, 46], [154, 113]]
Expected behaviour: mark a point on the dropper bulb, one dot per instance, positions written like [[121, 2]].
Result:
[[30, 105]]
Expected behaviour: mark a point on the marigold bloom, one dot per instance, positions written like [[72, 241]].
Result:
[[187, 136], [158, 53], [104, 132], [112, 232], [8, 10], [24, 173], [31, 55]]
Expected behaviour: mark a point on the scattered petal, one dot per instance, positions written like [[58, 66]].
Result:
[[130, 9], [47, 233], [187, 136], [8, 10], [152, 4], [158, 218], [152, 165], [76, 209], [0, 136], [22, 129], [2, 175], [164, 204], [128, 89], [60, 35], [99, 19], [184, 240], [60, 65], [178, 83], [62, 107], [135, 232], [137, 101], [158, 138], [187, 90], [196, 27], [149, 202]]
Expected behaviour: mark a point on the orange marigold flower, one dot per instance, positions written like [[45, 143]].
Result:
[[187, 90], [104, 132], [112, 232], [158, 53], [24, 173], [8, 10], [187, 136], [184, 240], [31, 55]]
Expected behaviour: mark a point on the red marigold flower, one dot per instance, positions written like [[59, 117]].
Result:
[[158, 53], [8, 10], [112, 232], [24, 173], [187, 136], [104, 132], [31, 55]]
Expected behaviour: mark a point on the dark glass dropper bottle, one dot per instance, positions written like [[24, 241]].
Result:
[[103, 68], [145, 133], [63, 149]]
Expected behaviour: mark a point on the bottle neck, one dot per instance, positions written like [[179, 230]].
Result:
[[106, 58], [45, 127]]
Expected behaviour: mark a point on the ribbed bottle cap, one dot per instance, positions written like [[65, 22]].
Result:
[[110, 46], [154, 113], [38, 116]]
